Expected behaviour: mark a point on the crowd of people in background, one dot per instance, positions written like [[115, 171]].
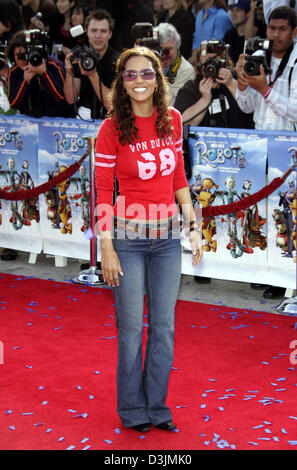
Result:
[[81, 41], [60, 86]]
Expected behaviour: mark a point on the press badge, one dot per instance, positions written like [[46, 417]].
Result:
[[215, 106]]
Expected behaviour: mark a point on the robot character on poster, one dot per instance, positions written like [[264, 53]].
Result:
[[227, 167], [282, 205], [65, 207], [19, 171]]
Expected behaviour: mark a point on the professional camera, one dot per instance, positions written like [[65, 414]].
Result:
[[212, 47], [2, 54], [37, 45], [88, 58], [253, 62], [146, 35], [211, 67]]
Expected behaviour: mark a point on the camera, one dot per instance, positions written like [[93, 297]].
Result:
[[88, 58], [37, 45], [253, 62], [146, 35], [2, 54], [211, 67], [212, 47]]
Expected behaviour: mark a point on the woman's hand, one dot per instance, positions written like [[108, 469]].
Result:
[[110, 264], [205, 86], [225, 76], [196, 243]]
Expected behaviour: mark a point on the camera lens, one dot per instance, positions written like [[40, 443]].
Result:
[[88, 63], [35, 58], [251, 68], [210, 70]]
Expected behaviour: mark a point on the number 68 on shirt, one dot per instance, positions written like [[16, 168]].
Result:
[[148, 169]]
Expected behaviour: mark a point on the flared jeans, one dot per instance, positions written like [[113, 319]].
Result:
[[151, 267]]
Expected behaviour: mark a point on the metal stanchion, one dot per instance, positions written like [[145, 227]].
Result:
[[288, 306], [91, 276]]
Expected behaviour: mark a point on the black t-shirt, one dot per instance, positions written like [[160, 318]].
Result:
[[106, 71], [236, 43], [217, 116]]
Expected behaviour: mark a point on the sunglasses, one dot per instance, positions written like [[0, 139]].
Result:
[[131, 75]]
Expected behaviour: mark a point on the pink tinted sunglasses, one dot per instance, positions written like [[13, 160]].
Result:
[[145, 74]]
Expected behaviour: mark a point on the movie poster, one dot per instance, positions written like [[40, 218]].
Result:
[[227, 166], [19, 220], [64, 209], [282, 210]]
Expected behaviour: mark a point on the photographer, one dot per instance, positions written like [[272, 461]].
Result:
[[89, 87], [209, 100], [36, 80], [40, 14], [175, 67], [271, 93]]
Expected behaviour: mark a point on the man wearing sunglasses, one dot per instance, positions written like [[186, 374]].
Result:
[[175, 67]]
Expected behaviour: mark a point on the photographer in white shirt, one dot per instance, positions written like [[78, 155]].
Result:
[[272, 96]]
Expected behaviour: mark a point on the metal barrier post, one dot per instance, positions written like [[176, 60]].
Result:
[[91, 276]]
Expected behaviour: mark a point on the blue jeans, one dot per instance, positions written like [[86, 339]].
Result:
[[150, 266]]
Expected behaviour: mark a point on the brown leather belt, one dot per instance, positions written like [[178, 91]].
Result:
[[143, 230]]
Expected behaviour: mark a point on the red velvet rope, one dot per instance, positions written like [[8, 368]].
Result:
[[206, 211], [243, 203], [22, 194], [250, 200]]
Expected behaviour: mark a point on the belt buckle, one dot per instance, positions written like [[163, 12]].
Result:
[[156, 232]]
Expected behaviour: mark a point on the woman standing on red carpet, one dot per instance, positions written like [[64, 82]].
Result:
[[141, 144]]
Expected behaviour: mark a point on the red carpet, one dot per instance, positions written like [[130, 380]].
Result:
[[232, 386]]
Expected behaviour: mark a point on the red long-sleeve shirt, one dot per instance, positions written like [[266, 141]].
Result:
[[149, 171]]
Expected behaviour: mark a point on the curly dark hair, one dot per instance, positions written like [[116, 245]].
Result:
[[121, 108]]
